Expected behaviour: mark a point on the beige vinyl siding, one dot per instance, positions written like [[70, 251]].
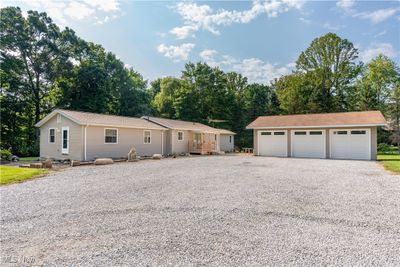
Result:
[[327, 136], [127, 138], [53, 150], [224, 143], [179, 147]]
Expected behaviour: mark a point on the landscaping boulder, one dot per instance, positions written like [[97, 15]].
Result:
[[48, 163], [132, 155], [75, 163], [103, 161], [36, 165], [157, 156]]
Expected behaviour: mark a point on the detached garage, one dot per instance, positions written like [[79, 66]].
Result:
[[347, 135]]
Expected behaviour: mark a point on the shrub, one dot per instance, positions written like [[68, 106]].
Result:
[[5, 154], [382, 147]]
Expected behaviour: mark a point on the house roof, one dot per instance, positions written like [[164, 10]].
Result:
[[88, 118], [362, 118], [224, 131], [181, 125]]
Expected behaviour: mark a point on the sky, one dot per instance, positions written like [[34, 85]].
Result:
[[259, 39]]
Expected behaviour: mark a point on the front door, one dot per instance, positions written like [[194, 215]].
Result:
[[197, 140], [65, 140]]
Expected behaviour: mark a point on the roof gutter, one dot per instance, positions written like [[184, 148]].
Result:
[[317, 126]]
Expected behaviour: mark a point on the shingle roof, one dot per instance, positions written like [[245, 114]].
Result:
[[88, 118], [362, 118], [182, 125], [225, 131]]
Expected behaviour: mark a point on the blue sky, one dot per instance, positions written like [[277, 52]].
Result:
[[260, 39]]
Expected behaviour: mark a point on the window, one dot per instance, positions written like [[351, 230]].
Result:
[[147, 137], [52, 136], [315, 132], [110, 136], [341, 132], [180, 136], [215, 137], [279, 133], [230, 139], [300, 133], [358, 132], [265, 133]]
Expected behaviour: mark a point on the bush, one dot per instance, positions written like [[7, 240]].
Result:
[[5, 154], [384, 148]]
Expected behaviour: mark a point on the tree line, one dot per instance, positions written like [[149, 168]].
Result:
[[43, 67]]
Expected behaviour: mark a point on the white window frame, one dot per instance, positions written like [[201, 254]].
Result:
[[183, 136], [144, 137], [64, 151], [230, 139], [105, 136], [54, 136]]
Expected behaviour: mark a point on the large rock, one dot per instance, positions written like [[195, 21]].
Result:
[[157, 156], [75, 163], [103, 161], [132, 155], [36, 165], [48, 163]]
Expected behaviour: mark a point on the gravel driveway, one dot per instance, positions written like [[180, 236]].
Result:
[[216, 210]]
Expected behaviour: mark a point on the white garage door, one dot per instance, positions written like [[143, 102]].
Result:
[[308, 143], [272, 143], [350, 144]]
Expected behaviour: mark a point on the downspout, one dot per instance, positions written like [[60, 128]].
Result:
[[85, 157], [162, 142]]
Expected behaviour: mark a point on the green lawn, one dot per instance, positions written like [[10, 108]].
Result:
[[29, 159], [10, 175], [391, 162]]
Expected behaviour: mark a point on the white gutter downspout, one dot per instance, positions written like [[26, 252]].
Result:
[[85, 157], [162, 142]]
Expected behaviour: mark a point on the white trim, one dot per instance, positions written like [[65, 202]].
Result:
[[162, 143], [105, 136], [183, 136], [368, 132], [316, 126], [50, 136], [144, 135], [85, 145], [64, 151]]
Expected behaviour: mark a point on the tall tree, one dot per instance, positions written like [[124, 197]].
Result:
[[377, 83], [330, 66], [33, 55], [163, 102]]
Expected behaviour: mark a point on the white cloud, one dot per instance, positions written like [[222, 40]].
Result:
[[378, 15], [378, 48], [92, 11], [331, 27], [380, 33], [176, 53], [346, 5], [306, 21], [183, 32], [203, 17], [256, 70], [78, 10]]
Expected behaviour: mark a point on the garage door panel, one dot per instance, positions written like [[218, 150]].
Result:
[[308, 143], [355, 144], [272, 143]]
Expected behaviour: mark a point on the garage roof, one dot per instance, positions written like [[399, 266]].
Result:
[[343, 119], [225, 131]]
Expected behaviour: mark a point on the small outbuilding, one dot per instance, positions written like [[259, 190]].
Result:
[[346, 135]]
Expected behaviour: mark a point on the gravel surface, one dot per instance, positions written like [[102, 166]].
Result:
[[216, 210]]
